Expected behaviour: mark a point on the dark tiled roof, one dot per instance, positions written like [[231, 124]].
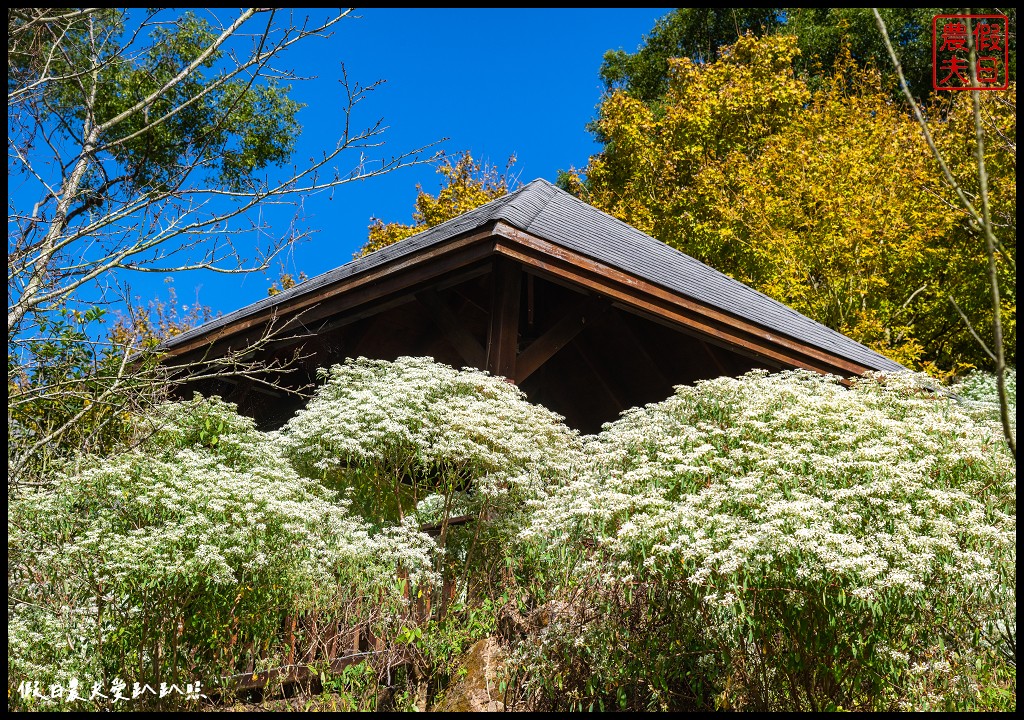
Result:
[[544, 210]]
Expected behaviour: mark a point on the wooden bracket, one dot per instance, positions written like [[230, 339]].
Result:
[[542, 349]]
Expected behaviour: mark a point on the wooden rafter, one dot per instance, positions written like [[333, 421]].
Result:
[[639, 348], [546, 258], [503, 334]]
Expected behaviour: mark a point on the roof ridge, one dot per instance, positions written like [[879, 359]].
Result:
[[496, 202], [591, 208], [548, 196], [490, 210]]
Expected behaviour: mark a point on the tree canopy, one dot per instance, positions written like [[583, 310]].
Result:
[[145, 140], [823, 36], [695, 33], [821, 194]]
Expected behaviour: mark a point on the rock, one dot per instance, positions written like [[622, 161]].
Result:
[[477, 690]]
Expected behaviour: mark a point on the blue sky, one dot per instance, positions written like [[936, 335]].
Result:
[[496, 82]]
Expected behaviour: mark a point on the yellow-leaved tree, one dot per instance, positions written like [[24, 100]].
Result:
[[839, 215], [467, 185], [826, 201]]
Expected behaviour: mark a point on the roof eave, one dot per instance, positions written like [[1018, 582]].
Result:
[[302, 312]]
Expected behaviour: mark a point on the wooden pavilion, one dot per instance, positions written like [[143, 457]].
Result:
[[588, 315]]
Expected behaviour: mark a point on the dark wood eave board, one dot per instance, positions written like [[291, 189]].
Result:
[[543, 211], [409, 273], [570, 223], [648, 299]]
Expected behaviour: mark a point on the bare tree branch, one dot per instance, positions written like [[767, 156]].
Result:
[[990, 247], [92, 94], [175, 218], [974, 333]]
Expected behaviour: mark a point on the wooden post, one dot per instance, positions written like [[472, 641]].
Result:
[[634, 343], [503, 333], [714, 357], [588, 310]]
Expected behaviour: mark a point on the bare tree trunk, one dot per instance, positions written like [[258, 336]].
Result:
[[112, 178]]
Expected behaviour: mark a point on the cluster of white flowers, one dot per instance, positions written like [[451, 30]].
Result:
[[416, 413], [881, 484], [882, 499], [882, 495], [982, 387], [209, 507], [978, 393], [428, 425]]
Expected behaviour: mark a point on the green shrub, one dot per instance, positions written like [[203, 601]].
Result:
[[769, 542]]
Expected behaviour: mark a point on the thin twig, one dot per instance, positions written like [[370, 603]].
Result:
[[980, 222]]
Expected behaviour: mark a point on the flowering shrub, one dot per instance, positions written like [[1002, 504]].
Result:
[[421, 439], [178, 561], [764, 542], [979, 395], [981, 387], [780, 542], [413, 428]]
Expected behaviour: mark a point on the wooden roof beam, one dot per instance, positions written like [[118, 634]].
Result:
[[639, 347], [645, 297], [472, 352]]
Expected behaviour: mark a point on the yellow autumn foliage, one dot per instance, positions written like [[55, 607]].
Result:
[[467, 185], [830, 202]]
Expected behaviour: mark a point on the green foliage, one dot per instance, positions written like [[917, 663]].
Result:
[[78, 385], [780, 543], [443, 642], [181, 559], [228, 125], [355, 688], [770, 542], [115, 116], [63, 394], [823, 35], [694, 33]]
